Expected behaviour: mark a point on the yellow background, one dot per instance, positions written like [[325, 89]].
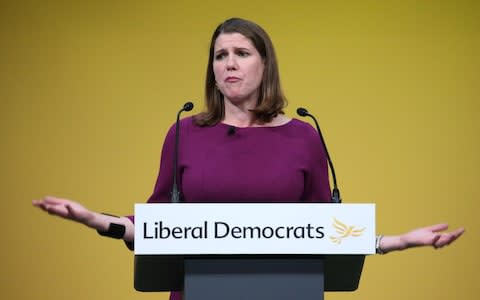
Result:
[[88, 90]]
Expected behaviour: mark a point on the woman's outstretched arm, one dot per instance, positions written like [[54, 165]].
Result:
[[433, 235], [74, 211]]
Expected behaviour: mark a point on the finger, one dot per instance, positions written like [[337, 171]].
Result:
[[58, 210], [71, 211], [40, 204], [437, 227], [457, 233], [53, 200], [435, 240], [444, 240], [448, 238]]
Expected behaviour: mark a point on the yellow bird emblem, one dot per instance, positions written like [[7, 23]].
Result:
[[344, 231]]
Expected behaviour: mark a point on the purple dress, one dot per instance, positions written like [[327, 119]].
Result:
[[285, 163]]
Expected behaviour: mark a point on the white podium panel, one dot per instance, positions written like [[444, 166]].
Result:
[[258, 228]]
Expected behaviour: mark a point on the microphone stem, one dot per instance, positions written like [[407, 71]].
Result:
[[175, 194], [335, 192]]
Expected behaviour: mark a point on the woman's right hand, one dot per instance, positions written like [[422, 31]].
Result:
[[74, 211], [65, 208]]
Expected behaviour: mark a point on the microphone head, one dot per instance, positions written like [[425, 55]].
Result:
[[188, 106], [302, 112], [231, 130]]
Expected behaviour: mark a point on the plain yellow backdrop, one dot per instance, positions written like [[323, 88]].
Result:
[[89, 88]]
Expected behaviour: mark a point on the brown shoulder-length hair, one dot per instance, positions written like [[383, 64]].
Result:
[[271, 100]]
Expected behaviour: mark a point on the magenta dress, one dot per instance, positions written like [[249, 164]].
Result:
[[285, 163]]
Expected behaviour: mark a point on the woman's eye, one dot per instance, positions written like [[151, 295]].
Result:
[[220, 56], [243, 53]]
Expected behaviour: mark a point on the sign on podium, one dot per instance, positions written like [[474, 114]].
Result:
[[219, 250]]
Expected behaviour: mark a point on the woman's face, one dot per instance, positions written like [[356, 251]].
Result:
[[238, 68]]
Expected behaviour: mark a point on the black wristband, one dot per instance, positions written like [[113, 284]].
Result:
[[116, 231]]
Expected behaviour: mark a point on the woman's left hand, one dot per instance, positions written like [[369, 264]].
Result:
[[425, 236], [431, 236]]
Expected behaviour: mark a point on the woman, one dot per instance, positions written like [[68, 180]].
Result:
[[242, 148]]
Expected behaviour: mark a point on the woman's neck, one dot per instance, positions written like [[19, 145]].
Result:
[[248, 120], [239, 115]]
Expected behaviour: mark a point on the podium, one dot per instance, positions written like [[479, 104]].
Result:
[[252, 251]]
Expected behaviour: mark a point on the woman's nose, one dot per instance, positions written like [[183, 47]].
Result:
[[231, 62]]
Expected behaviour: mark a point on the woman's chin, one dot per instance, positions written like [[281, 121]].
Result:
[[237, 98]]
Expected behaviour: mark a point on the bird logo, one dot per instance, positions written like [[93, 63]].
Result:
[[344, 231]]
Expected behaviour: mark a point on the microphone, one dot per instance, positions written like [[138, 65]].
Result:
[[175, 193], [336, 192], [231, 130]]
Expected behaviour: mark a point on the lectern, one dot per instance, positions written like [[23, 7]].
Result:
[[252, 251]]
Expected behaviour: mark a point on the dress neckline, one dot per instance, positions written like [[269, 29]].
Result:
[[248, 127]]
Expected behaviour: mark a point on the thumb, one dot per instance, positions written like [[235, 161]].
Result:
[[435, 239], [71, 212]]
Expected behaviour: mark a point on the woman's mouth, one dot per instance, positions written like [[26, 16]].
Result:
[[232, 79]]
